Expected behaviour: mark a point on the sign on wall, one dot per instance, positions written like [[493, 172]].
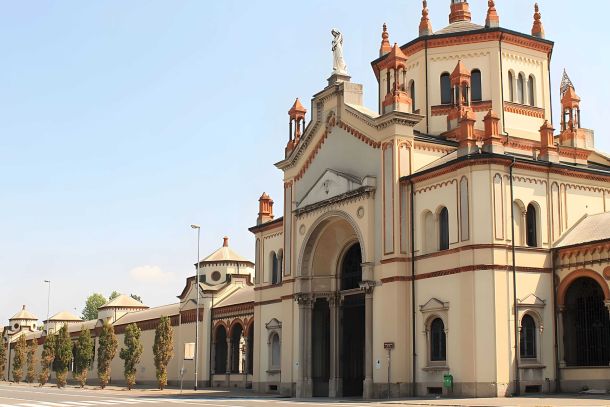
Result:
[[189, 351]]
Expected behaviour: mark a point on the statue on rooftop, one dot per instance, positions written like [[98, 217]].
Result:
[[339, 66]]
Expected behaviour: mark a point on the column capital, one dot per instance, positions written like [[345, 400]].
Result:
[[367, 286], [304, 300]]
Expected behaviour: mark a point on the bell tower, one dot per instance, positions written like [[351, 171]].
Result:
[[572, 134]]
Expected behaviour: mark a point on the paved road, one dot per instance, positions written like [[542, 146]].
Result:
[[30, 396]]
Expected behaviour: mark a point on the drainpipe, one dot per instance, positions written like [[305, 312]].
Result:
[[515, 310], [414, 356], [556, 322], [427, 90]]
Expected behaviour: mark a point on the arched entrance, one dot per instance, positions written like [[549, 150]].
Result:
[[332, 311], [220, 350], [236, 348], [352, 323], [586, 325]]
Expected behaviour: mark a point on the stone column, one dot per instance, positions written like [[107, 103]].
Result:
[[246, 367], [367, 287], [562, 360], [229, 359], [213, 361], [304, 383], [334, 383]]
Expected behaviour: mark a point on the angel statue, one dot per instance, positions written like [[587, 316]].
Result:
[[339, 66]]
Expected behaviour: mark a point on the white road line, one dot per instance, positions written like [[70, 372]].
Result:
[[81, 403], [50, 403]]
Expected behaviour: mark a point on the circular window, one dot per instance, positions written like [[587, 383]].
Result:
[[216, 276], [16, 326]]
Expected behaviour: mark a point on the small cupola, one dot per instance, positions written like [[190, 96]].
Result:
[[396, 97], [425, 26], [537, 28], [572, 134], [460, 11], [460, 95], [297, 125], [265, 210]]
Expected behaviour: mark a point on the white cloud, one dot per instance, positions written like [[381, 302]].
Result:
[[151, 275]]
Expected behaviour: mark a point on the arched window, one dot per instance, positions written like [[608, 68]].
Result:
[[586, 329], [220, 350], [351, 269], [429, 236], [412, 94], [443, 229], [274, 268], [531, 91], [521, 89], [475, 83], [438, 341], [275, 351], [445, 89], [531, 219], [511, 86], [280, 264], [527, 338]]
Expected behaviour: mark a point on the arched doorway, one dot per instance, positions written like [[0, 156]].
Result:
[[251, 349], [220, 350], [236, 348], [586, 328], [352, 323], [333, 349]]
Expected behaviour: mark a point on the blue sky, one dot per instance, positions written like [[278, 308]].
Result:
[[123, 122]]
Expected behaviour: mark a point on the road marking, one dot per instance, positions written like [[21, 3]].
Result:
[[50, 403]]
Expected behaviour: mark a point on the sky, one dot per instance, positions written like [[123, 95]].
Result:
[[123, 122]]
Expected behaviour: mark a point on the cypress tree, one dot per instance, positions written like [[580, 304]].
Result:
[[83, 356], [105, 353], [163, 349], [2, 358], [46, 359], [63, 356], [31, 358], [19, 359], [131, 353]]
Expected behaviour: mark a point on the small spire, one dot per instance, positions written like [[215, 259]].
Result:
[[23, 307], [537, 28], [425, 26], [385, 41], [225, 241], [492, 20]]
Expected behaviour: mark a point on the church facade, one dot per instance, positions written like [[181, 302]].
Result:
[[450, 240]]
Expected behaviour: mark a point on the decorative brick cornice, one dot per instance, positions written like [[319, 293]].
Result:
[[524, 110]]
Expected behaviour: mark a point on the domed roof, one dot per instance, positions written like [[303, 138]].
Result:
[[64, 316], [123, 301], [225, 254], [24, 315]]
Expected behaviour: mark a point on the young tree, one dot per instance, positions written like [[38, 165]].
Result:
[[113, 295], [83, 356], [63, 356], [2, 358], [163, 349], [31, 358], [94, 301], [46, 359], [19, 359], [131, 353], [105, 353], [136, 297]]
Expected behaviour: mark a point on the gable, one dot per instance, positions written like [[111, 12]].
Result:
[[331, 184], [342, 152]]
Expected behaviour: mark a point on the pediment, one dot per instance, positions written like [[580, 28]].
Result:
[[332, 184], [532, 301], [434, 304], [273, 324]]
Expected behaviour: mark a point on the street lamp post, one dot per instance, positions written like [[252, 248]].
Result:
[[197, 312], [48, 305]]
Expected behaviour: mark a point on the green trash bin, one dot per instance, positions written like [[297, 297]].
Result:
[[448, 381]]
